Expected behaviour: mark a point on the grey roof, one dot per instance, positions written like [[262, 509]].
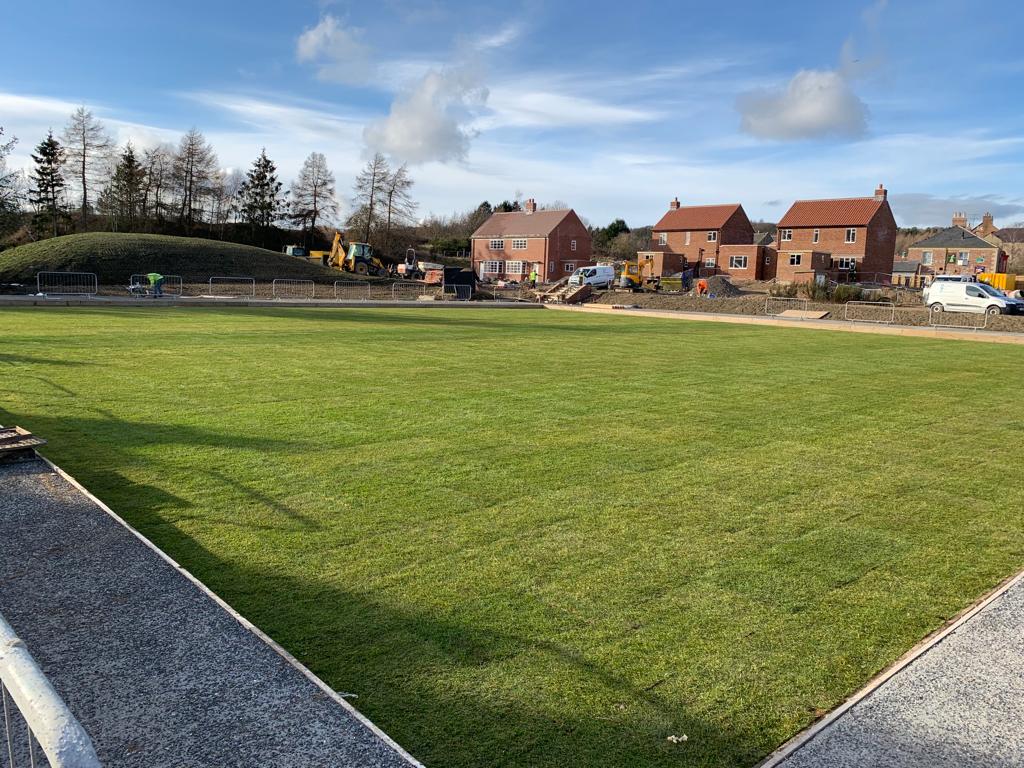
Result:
[[763, 238], [905, 266], [953, 237]]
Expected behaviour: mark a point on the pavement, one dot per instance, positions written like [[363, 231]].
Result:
[[959, 702], [159, 671]]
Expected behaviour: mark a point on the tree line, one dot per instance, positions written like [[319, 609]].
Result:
[[81, 181]]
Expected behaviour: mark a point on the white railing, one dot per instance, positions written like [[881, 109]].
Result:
[[293, 289], [33, 713], [776, 305], [942, 319], [67, 283], [239, 287], [138, 285], [884, 311]]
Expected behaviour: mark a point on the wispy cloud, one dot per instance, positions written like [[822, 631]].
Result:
[[338, 51]]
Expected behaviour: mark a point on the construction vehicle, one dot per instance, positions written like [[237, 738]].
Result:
[[359, 258], [295, 250], [410, 269]]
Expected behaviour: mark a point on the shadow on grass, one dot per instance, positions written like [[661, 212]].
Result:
[[6, 358]]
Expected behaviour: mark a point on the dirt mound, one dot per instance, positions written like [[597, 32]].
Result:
[[719, 286]]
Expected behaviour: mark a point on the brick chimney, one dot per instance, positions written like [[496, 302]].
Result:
[[531, 206], [960, 219], [881, 193], [674, 205], [987, 226]]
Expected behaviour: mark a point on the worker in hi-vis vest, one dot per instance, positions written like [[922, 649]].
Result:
[[533, 277], [156, 282]]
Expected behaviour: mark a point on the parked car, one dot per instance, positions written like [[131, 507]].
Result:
[[979, 298], [602, 276]]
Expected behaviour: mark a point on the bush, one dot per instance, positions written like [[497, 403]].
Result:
[[815, 291], [787, 290], [844, 293]]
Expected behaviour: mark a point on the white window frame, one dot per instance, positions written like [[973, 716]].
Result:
[[851, 235], [491, 267], [496, 245], [519, 244], [569, 267], [713, 236], [572, 245], [710, 262], [963, 258], [846, 262], [738, 262], [688, 233], [515, 267], [785, 235], [663, 238], [799, 259], [927, 257], [816, 237]]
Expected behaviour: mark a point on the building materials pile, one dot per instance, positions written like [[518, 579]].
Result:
[[720, 287]]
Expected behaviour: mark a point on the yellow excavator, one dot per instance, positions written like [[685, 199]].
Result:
[[359, 258]]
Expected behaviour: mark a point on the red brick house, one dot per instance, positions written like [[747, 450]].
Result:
[[852, 235], [508, 246], [957, 250], [699, 232]]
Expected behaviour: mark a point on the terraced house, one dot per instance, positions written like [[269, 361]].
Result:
[[509, 246], [835, 237], [956, 250]]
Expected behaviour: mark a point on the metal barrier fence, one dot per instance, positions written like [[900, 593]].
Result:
[[885, 309], [457, 292], [351, 290], [45, 723], [138, 285], [941, 319], [781, 303], [67, 283], [293, 289], [239, 287]]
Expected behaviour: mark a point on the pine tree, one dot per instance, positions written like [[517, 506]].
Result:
[[312, 194], [123, 199], [47, 191], [260, 200], [88, 150]]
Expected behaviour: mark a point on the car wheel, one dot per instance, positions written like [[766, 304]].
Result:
[[936, 307], [993, 310]]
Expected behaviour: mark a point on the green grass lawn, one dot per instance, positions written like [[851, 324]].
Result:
[[544, 538]]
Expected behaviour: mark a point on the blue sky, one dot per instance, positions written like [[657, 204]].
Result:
[[612, 108]]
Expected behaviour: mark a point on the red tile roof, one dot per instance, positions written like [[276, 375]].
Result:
[[521, 224], [846, 212], [694, 217]]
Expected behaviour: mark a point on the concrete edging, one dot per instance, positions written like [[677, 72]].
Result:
[[991, 337], [787, 750], [186, 302], [330, 692]]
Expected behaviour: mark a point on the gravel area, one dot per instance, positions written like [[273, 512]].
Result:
[[754, 304], [961, 703], [158, 673]]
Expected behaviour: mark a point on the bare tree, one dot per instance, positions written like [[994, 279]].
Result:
[[10, 187], [224, 195], [399, 205], [368, 191], [88, 146], [158, 163], [313, 194], [192, 169]]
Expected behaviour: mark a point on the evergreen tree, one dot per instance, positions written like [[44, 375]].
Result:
[[260, 201], [47, 191], [123, 199]]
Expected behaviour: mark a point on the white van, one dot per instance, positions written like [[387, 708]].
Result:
[[601, 276], [979, 298]]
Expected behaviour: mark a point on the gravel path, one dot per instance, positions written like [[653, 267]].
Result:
[[156, 670], [960, 703]]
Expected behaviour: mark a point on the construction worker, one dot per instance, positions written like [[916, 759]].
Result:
[[156, 282], [702, 287], [533, 277]]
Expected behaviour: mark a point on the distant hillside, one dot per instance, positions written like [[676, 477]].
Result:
[[115, 257]]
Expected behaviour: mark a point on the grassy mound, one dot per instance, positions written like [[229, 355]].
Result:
[[114, 257]]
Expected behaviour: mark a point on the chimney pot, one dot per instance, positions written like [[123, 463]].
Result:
[[881, 193], [674, 205], [531, 206]]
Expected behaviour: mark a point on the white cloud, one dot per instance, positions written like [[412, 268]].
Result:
[[814, 104], [429, 121], [520, 105], [339, 52], [923, 209], [500, 39]]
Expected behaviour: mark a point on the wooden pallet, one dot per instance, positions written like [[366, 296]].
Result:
[[17, 444]]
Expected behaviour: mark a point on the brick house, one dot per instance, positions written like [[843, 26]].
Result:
[[508, 246], [850, 235], [956, 250], [697, 233]]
